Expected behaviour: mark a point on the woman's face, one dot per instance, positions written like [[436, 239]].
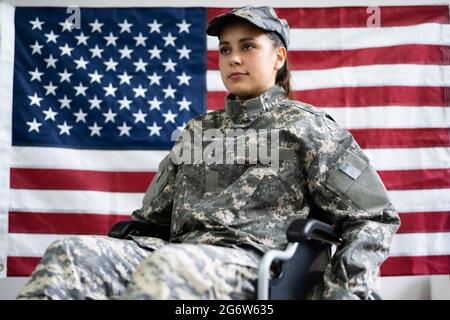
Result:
[[248, 61]]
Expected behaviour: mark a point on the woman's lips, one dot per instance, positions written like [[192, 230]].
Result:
[[236, 75]]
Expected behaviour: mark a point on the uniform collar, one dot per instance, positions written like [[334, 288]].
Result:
[[244, 112]]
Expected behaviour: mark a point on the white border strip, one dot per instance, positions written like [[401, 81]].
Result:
[[6, 89], [427, 200]]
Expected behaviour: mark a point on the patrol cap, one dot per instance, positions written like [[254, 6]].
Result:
[[263, 17]]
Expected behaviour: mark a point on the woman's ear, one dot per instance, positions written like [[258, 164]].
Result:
[[281, 55]]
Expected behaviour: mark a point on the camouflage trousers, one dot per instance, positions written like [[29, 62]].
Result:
[[97, 267]]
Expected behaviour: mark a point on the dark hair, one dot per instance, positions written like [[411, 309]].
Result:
[[283, 78]]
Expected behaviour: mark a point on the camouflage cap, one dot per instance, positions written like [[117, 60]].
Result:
[[262, 17]]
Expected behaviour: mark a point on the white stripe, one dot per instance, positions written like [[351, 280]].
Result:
[[411, 244], [360, 76], [427, 200], [359, 38], [6, 89], [390, 117], [409, 159], [103, 160], [75, 201], [420, 244]]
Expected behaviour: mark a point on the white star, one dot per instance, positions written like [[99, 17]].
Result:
[[34, 126], [81, 116], [66, 25], [50, 89], [36, 48], [66, 50], [95, 77], [169, 92], [184, 52], [140, 65], [124, 129], [169, 117], [125, 26], [109, 116], [125, 52], [64, 129], [81, 63], [36, 75], [139, 116], [155, 52], [80, 89], [184, 27], [111, 39], [49, 114], [183, 79], [140, 40], [65, 76], [82, 39], [95, 129], [95, 103], [154, 129], [36, 24], [169, 65], [154, 78], [154, 26], [154, 104], [65, 103], [96, 52], [110, 90], [51, 37], [96, 26], [184, 104], [51, 62], [180, 128], [111, 64], [169, 40], [125, 78], [139, 91], [124, 103], [35, 100]]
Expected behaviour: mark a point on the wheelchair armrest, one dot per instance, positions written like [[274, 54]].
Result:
[[124, 229], [305, 229]]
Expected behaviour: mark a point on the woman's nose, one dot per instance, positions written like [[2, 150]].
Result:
[[235, 59]]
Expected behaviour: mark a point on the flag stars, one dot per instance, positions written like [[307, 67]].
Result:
[[96, 52], [36, 75], [80, 116], [110, 64], [154, 78], [65, 103], [169, 65], [183, 79], [36, 48], [154, 104], [51, 62], [184, 104], [139, 91], [125, 52], [139, 116], [183, 26], [110, 90], [140, 65], [111, 39], [64, 128], [96, 26], [124, 129], [36, 24], [66, 25], [35, 100], [34, 125], [154, 26], [82, 39], [184, 53], [50, 89], [66, 50], [50, 114], [125, 26], [155, 52], [65, 76], [95, 129], [109, 116], [95, 103], [140, 40], [80, 89], [154, 129], [95, 77], [124, 103], [169, 117], [51, 37], [125, 78], [81, 63], [169, 92], [169, 40]]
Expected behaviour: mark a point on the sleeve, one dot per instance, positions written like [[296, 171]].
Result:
[[347, 188]]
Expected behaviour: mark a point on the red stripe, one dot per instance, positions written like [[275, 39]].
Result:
[[80, 180], [358, 97], [417, 265], [416, 222], [355, 16], [415, 179], [309, 60], [62, 223], [21, 266], [402, 138]]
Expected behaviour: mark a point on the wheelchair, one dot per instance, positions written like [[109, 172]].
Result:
[[299, 267]]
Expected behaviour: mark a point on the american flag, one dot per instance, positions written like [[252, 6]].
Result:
[[93, 109]]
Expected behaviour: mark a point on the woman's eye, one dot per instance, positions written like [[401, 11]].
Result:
[[248, 47], [223, 50]]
